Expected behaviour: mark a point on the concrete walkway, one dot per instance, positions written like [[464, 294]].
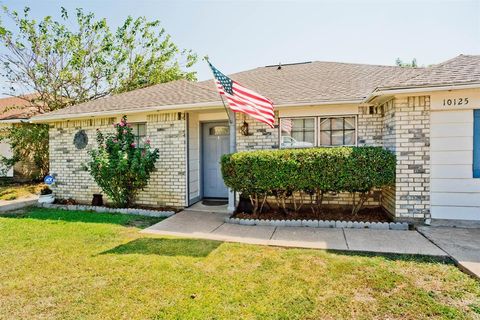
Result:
[[9, 205], [462, 244], [208, 225]]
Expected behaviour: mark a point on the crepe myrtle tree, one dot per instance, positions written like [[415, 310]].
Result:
[[119, 166]]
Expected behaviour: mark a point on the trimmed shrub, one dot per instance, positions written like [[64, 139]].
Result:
[[294, 174]]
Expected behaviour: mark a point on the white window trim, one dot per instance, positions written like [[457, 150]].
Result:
[[317, 129]]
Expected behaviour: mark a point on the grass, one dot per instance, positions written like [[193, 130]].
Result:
[[77, 265], [12, 191]]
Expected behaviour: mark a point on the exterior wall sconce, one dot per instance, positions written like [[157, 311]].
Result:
[[244, 129]]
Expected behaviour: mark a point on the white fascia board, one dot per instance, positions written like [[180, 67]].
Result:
[[380, 92], [184, 107]]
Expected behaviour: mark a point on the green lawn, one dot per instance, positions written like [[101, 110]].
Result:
[[79, 265]]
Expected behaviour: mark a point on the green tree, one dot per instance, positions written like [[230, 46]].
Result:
[[412, 64], [119, 167], [29, 143], [80, 58]]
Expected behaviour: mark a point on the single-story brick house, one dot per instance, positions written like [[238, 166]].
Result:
[[430, 118]]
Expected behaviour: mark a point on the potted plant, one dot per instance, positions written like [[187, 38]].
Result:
[[46, 195]]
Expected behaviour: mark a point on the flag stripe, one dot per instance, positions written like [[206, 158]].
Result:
[[261, 104], [260, 108], [241, 99], [249, 107], [250, 93]]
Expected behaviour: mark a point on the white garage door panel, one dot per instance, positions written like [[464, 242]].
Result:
[[452, 130], [451, 157], [459, 213], [462, 171], [452, 144], [465, 116], [456, 199], [455, 185]]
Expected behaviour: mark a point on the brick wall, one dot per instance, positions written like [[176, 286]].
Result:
[[370, 126], [260, 136], [412, 147], [167, 186]]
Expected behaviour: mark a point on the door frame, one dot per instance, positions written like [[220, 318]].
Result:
[[201, 149]]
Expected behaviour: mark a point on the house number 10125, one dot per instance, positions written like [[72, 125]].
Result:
[[455, 102]]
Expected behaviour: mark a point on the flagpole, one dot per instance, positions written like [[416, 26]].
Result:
[[232, 146]]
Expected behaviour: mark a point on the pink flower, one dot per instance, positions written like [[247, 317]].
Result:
[[133, 145], [148, 141], [121, 124], [125, 131]]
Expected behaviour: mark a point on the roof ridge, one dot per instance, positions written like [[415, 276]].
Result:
[[368, 64]]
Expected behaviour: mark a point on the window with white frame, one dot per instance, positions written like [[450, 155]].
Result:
[[337, 131], [317, 131], [139, 130], [297, 132]]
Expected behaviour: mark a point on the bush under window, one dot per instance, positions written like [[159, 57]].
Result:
[[292, 175]]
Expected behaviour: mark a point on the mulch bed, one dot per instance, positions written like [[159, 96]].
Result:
[[374, 214]]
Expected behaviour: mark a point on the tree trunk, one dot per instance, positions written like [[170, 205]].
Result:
[[357, 206]]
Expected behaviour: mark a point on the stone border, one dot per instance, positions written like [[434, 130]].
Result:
[[133, 211], [320, 224]]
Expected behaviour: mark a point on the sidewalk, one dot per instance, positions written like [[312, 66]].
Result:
[[462, 244], [8, 205], [208, 225]]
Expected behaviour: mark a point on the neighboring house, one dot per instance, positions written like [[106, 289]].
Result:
[[14, 110], [430, 118]]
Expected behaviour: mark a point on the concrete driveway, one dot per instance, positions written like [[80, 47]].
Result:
[[462, 244], [208, 225]]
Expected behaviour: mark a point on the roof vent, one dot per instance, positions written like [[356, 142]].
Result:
[[279, 66]]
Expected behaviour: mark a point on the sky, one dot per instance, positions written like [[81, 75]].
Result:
[[241, 35]]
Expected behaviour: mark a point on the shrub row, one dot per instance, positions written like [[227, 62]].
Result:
[[312, 171]]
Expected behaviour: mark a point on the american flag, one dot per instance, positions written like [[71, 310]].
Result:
[[286, 125], [241, 99]]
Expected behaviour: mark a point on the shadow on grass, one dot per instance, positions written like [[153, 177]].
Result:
[[167, 247], [82, 216], [421, 258]]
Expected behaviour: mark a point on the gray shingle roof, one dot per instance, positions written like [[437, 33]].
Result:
[[462, 69], [314, 82], [302, 83]]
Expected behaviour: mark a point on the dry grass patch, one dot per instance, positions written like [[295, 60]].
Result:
[[13, 191]]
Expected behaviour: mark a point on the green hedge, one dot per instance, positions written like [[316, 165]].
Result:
[[314, 171]]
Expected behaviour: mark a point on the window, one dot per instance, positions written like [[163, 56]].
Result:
[[140, 132], [476, 143], [317, 131], [219, 131], [297, 132], [337, 131]]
